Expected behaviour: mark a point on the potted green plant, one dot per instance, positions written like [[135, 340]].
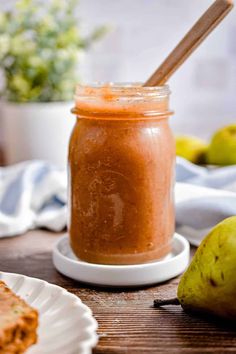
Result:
[[40, 47]]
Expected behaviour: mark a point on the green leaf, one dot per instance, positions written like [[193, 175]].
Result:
[[40, 45]]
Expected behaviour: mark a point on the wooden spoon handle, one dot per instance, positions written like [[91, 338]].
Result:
[[202, 28]]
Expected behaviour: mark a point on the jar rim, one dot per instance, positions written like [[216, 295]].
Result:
[[122, 89], [126, 100]]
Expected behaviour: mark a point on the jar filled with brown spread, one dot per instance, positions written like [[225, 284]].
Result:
[[121, 174]]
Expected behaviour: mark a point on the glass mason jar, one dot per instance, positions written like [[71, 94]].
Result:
[[121, 174]]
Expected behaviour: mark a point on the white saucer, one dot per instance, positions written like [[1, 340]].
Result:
[[122, 275]]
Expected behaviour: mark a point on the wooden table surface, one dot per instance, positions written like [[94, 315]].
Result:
[[127, 321]]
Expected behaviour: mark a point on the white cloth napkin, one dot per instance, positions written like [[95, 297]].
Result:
[[198, 209], [33, 195]]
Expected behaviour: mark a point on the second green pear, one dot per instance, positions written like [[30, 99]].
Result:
[[191, 148], [222, 148]]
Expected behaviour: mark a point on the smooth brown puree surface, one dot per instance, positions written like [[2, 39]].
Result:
[[121, 170]]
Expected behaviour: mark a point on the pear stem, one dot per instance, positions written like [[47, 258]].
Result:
[[159, 302]]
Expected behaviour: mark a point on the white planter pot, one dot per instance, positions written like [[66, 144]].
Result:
[[36, 131]]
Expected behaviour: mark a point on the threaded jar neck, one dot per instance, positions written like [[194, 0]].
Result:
[[124, 100]]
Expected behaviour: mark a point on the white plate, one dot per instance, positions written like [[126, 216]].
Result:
[[125, 275], [66, 325]]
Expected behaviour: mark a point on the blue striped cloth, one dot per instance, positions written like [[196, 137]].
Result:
[[33, 195]]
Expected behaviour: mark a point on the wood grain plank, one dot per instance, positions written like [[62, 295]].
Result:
[[127, 321]]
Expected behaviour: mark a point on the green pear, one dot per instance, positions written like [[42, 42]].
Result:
[[209, 283], [222, 148], [191, 148]]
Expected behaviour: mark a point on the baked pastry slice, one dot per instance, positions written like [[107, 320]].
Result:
[[18, 323]]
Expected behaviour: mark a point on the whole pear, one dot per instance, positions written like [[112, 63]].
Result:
[[222, 148], [191, 148], [209, 283]]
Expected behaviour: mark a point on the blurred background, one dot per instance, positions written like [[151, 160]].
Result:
[[139, 36], [203, 89]]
